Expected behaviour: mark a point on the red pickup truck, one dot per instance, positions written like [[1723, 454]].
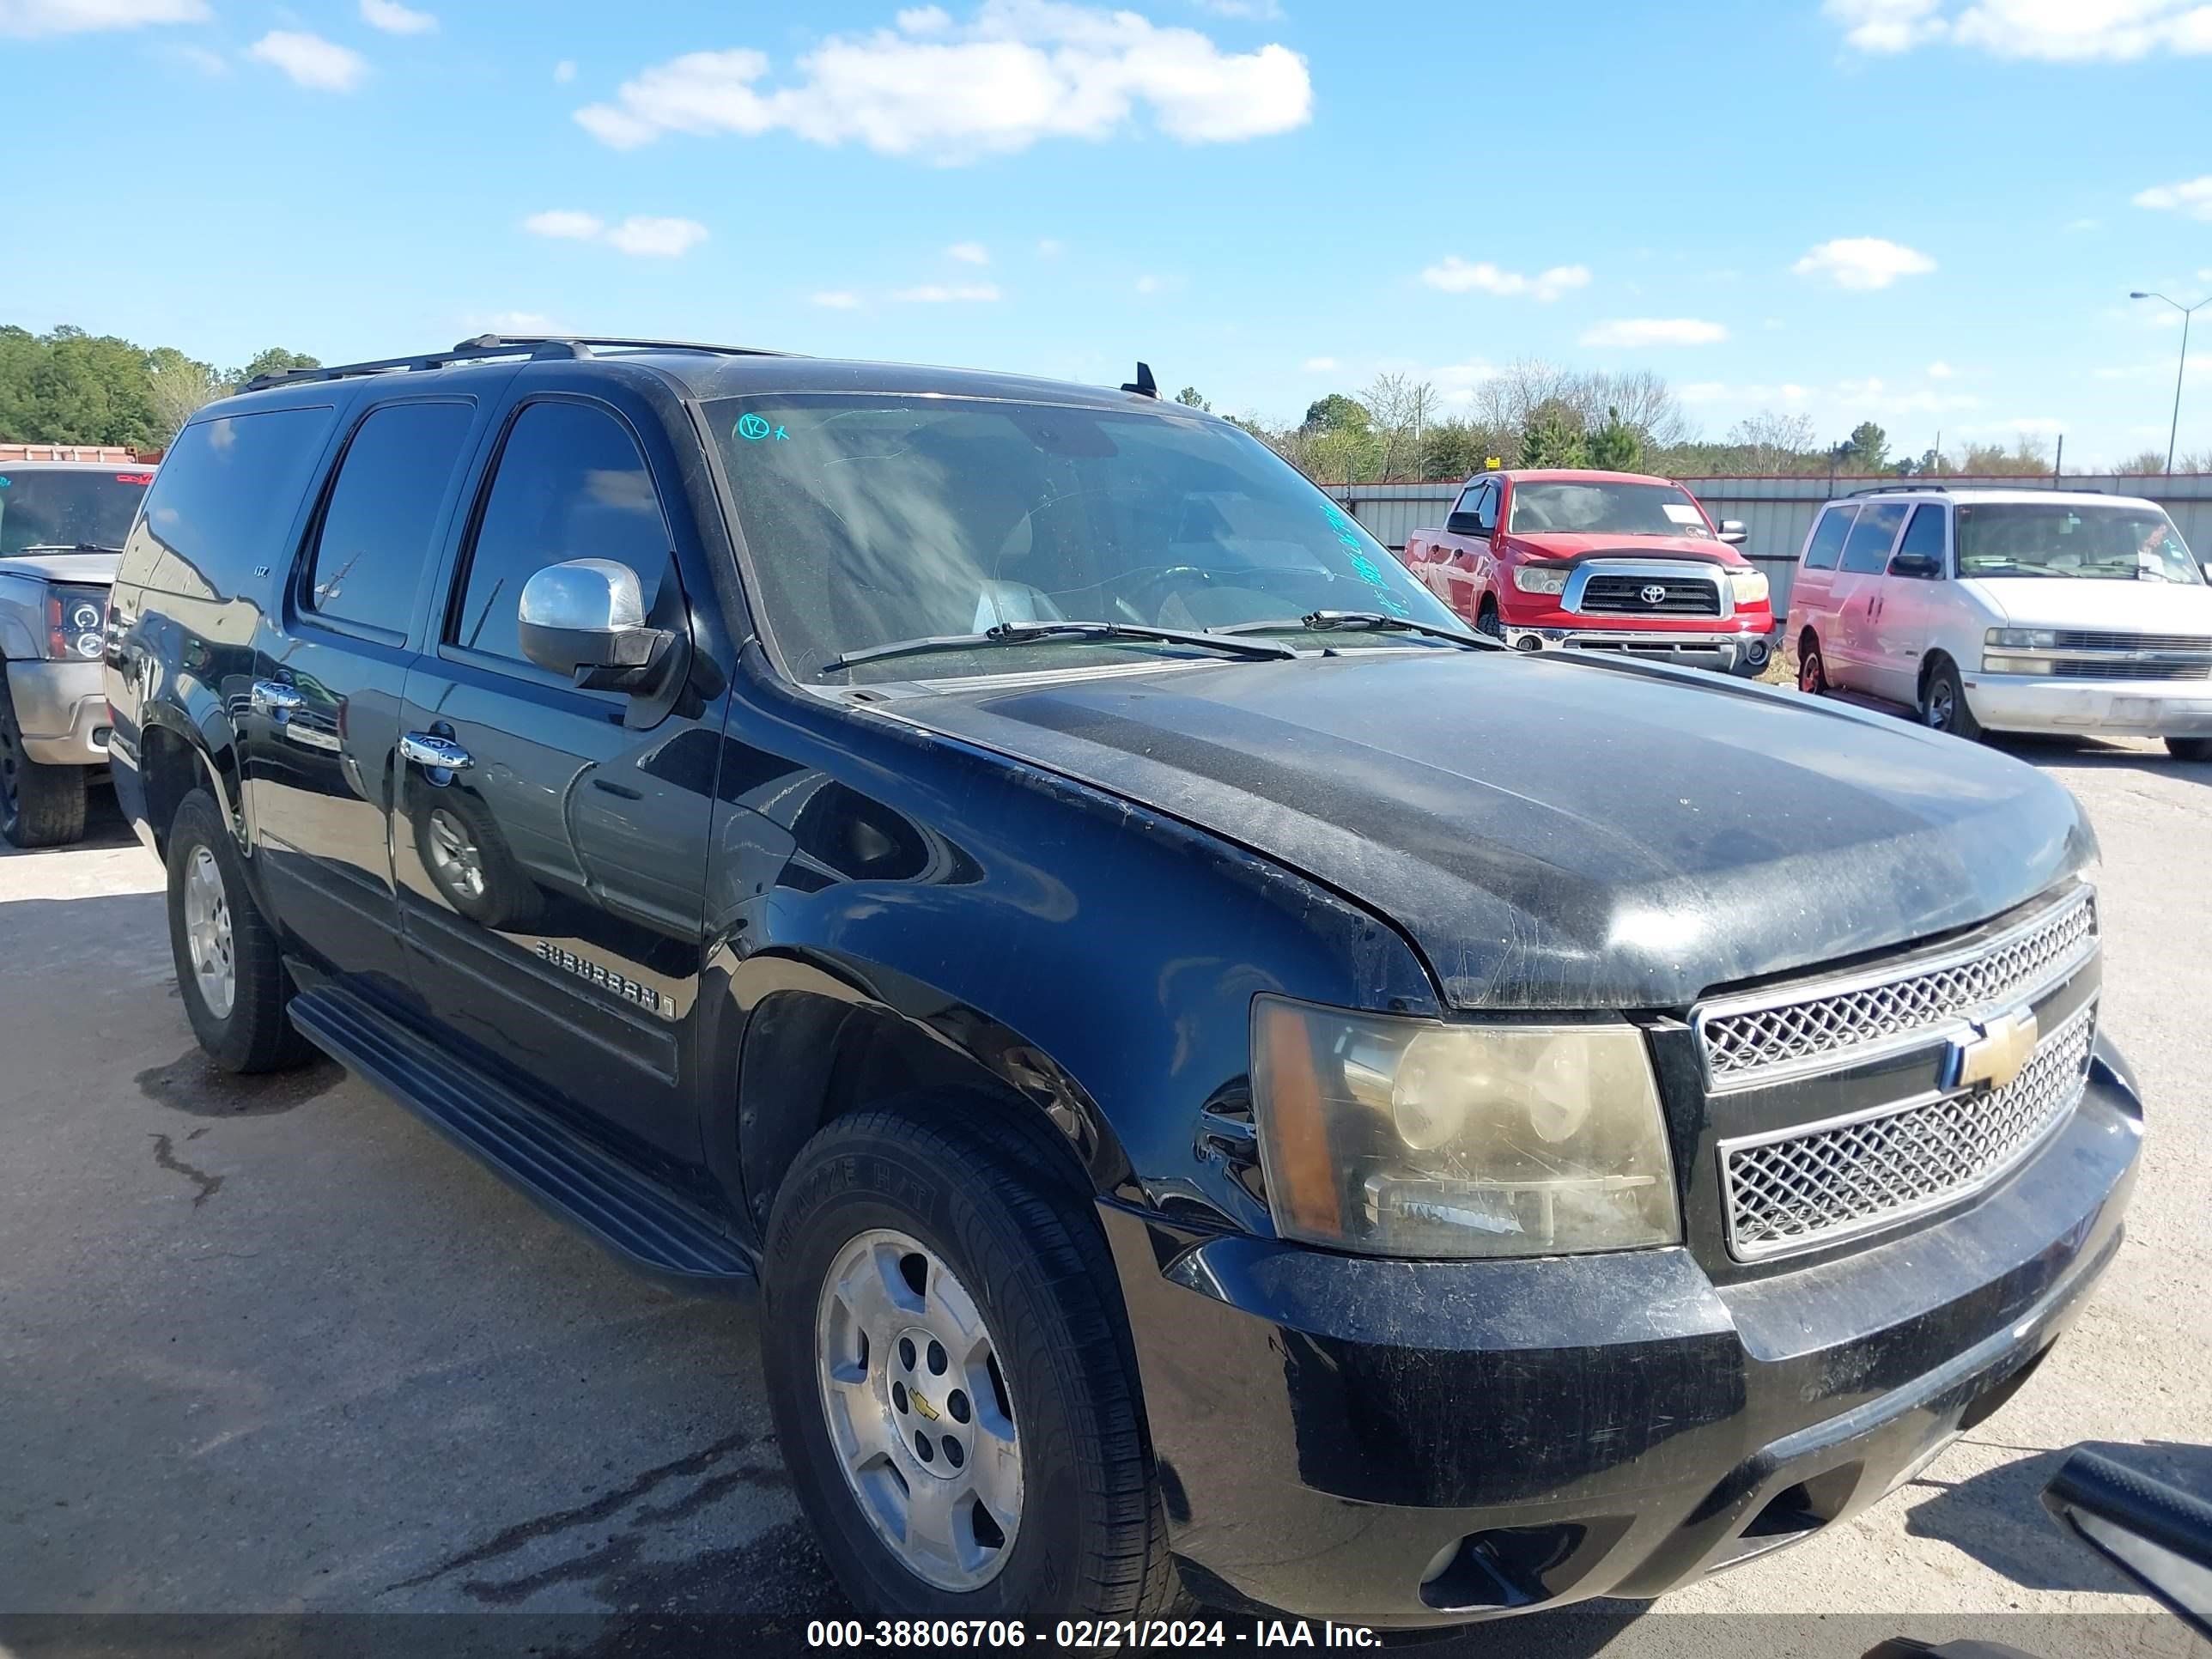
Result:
[[1599, 561]]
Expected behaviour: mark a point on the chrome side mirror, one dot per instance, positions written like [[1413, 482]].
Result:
[[586, 618], [1733, 532]]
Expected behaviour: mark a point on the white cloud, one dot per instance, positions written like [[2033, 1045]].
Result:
[[939, 294], [1863, 262], [1251, 11], [1456, 382], [2056, 31], [2042, 425], [1051, 248], [1019, 71], [564, 222], [517, 322], [30, 18], [969, 253], [2192, 197], [564, 71], [2077, 226], [656, 238], [395, 19], [1149, 283], [1655, 330], [1939, 370], [837, 300], [1455, 275], [199, 58], [310, 60], [1318, 365], [1787, 394]]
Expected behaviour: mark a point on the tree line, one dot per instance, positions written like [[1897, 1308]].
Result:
[[67, 386], [1539, 414]]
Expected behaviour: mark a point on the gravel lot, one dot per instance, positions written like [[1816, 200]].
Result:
[[278, 1349]]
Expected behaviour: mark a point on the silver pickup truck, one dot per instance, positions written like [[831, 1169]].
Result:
[[62, 526]]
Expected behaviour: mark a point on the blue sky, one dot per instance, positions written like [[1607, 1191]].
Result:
[[1925, 212]]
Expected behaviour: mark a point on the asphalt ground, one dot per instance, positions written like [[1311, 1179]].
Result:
[[271, 1352]]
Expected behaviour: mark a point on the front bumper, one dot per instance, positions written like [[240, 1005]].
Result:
[[1404, 1444], [62, 708], [1730, 654], [2116, 709]]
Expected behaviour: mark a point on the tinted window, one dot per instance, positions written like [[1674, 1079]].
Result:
[[1924, 534], [375, 535], [571, 485], [1828, 538], [1485, 508], [1467, 498], [67, 506], [223, 499], [1867, 549]]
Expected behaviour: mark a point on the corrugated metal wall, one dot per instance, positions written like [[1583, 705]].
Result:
[[1777, 512]]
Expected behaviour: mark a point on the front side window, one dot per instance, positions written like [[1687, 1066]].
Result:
[[877, 518], [1601, 509], [375, 533], [1827, 542], [1867, 550], [1485, 508], [2118, 543], [1925, 535], [571, 484], [68, 506]]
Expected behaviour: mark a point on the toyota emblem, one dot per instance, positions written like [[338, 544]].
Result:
[[1653, 593]]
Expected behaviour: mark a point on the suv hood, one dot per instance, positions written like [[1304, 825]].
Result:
[[2073, 602], [97, 568], [1550, 544], [1553, 833]]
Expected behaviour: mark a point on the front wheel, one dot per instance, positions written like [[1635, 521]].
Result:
[[1488, 621], [947, 1369], [40, 806], [1943, 702], [2189, 749]]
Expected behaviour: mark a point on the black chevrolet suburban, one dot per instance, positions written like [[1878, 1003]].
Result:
[[1227, 1087]]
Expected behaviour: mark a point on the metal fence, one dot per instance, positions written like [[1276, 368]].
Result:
[[1777, 512]]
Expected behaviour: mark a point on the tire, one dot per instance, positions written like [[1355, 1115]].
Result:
[[2189, 749], [1089, 1538], [251, 1032], [40, 806], [1943, 702], [1488, 621], [1812, 671]]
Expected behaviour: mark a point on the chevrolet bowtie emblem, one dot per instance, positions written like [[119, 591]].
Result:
[[1995, 1053], [921, 1405]]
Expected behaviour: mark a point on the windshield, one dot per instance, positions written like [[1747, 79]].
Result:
[[877, 518], [61, 507], [2112, 543], [1606, 509]]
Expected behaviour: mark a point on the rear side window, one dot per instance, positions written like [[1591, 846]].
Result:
[[1828, 538], [1924, 534], [375, 534], [225, 497], [571, 485], [1867, 549]]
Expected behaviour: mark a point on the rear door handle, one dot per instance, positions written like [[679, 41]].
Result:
[[439, 754], [271, 698]]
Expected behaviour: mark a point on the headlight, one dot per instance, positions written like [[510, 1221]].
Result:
[[76, 620], [1404, 1137], [2021, 639], [1540, 577], [1749, 587], [1994, 662]]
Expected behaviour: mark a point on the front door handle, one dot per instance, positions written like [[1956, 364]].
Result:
[[439, 754], [270, 697]]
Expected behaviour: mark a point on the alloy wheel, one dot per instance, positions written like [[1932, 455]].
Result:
[[206, 933], [919, 1412]]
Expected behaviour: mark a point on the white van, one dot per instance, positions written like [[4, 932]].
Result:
[[2010, 610]]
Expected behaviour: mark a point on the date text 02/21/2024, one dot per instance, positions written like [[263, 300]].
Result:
[[1088, 1634]]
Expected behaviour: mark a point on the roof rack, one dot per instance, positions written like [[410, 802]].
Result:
[[1891, 489], [568, 346]]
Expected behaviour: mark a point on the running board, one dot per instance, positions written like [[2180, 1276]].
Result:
[[636, 1218]]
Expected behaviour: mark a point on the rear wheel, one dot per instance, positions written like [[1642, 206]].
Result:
[[1943, 701], [1811, 672], [235, 987], [2189, 749], [949, 1372], [40, 806]]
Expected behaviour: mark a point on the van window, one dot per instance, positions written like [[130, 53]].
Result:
[[223, 499], [1925, 533], [1828, 537], [375, 534], [1867, 550], [571, 485]]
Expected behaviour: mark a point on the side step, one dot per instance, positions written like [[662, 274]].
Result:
[[643, 1223]]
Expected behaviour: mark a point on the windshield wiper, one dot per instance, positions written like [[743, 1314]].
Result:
[[69, 547], [1321, 622], [1031, 633]]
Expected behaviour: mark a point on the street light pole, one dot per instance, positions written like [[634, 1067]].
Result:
[[2180, 368]]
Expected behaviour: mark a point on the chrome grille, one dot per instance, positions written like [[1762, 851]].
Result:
[[1820, 1026], [2091, 668], [1680, 596], [1799, 1187], [2096, 639]]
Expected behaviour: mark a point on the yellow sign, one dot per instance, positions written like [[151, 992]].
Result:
[[1493, 464]]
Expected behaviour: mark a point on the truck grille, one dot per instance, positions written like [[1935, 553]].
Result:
[[1821, 1025], [2092, 639], [2091, 668], [1806, 1186], [1683, 596]]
